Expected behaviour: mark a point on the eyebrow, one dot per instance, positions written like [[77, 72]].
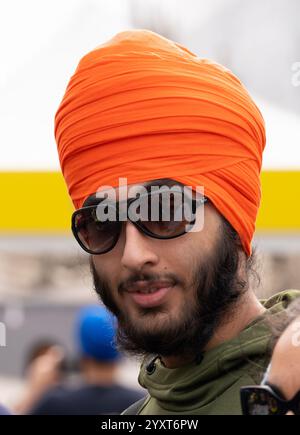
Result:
[[161, 182]]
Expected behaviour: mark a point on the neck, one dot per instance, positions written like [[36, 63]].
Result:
[[248, 309], [99, 374]]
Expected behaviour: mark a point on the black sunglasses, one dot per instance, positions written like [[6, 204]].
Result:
[[98, 237], [267, 399]]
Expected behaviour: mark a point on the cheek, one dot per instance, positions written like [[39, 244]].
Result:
[[193, 246], [107, 267], [181, 256]]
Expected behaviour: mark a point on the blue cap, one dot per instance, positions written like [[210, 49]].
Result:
[[96, 330]]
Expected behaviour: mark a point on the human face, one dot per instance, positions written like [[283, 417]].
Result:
[[186, 277]]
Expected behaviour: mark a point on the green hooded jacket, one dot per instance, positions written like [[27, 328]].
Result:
[[212, 386]]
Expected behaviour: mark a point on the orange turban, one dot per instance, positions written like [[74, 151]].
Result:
[[143, 107]]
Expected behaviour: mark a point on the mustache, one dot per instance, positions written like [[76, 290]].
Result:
[[149, 278]]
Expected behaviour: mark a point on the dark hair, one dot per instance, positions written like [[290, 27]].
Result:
[[251, 262], [40, 348]]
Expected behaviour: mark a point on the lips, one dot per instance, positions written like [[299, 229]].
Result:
[[149, 294], [147, 287]]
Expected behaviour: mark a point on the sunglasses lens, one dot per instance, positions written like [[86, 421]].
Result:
[[97, 237], [260, 402], [165, 229], [168, 217]]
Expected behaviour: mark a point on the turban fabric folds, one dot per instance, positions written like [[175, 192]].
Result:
[[144, 107]]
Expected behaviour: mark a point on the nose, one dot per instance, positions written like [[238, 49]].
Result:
[[136, 251]]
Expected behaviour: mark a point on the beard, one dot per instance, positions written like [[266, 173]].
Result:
[[217, 290]]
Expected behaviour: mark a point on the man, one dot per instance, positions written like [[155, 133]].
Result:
[[144, 108]]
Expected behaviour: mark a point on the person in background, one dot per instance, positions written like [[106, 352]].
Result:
[[43, 347], [98, 392], [45, 367], [279, 392]]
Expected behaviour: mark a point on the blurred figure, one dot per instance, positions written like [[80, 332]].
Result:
[[279, 392], [98, 393], [44, 347], [44, 369]]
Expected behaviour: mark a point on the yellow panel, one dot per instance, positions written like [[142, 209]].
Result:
[[38, 202], [34, 202], [280, 206]]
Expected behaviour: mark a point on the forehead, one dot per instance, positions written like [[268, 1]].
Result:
[[132, 189]]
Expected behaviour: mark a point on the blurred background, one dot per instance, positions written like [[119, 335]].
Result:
[[44, 276]]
